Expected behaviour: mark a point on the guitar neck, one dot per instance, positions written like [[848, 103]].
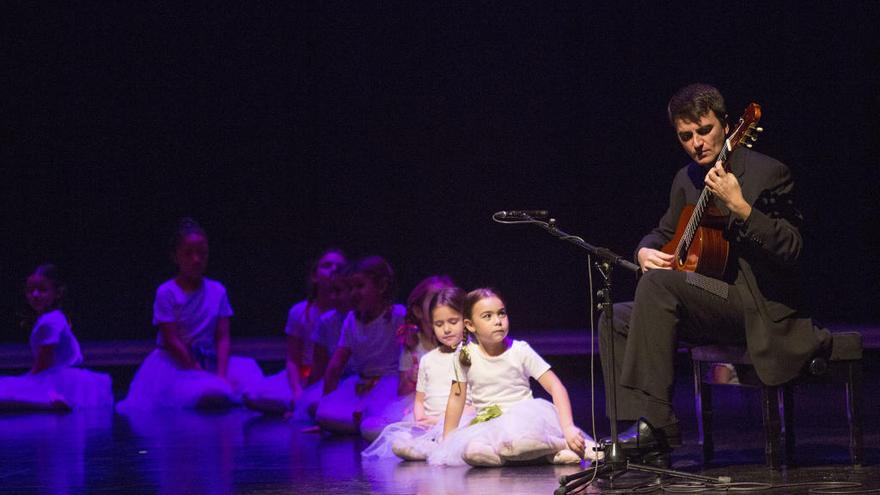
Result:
[[706, 194]]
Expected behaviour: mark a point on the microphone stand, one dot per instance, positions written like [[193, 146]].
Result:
[[615, 462]]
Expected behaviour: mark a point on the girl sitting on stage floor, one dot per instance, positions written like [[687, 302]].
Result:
[[53, 383], [415, 437], [510, 424], [416, 336], [279, 393], [325, 338], [191, 366], [369, 346]]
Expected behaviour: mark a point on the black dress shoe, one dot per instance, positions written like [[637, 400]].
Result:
[[643, 438]]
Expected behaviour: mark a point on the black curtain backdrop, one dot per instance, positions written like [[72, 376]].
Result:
[[397, 129]]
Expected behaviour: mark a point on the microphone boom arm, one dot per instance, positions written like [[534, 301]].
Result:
[[604, 254]]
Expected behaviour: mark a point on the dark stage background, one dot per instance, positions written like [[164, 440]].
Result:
[[398, 129]]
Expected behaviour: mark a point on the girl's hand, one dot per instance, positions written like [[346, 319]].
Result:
[[575, 439]]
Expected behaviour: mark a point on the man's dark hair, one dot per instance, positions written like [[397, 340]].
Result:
[[694, 101]]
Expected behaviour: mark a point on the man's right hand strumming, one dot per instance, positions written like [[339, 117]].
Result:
[[650, 259]]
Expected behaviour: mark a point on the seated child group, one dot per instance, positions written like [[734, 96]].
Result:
[[439, 380]]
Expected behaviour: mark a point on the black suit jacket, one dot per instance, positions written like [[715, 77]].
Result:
[[764, 265]]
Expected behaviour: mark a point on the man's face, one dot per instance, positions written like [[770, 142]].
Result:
[[703, 140]]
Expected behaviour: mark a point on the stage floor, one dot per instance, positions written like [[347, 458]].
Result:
[[241, 452]]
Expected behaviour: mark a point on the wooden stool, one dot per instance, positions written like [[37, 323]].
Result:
[[843, 365]]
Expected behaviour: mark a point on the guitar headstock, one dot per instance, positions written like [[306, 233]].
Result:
[[746, 129]]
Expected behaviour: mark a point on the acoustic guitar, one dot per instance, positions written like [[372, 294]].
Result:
[[698, 244]]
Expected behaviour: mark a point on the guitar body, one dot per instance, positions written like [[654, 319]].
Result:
[[708, 252]]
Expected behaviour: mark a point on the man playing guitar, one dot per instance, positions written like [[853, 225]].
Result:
[[753, 299]]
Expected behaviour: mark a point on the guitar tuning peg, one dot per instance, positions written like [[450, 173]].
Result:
[[759, 129], [749, 145]]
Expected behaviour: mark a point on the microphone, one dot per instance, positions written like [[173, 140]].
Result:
[[521, 214]]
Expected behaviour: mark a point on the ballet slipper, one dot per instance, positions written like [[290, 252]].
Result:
[[481, 454], [593, 455], [408, 452], [564, 456], [526, 449]]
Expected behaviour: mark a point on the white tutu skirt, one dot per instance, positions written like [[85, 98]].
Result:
[[527, 431], [396, 410], [411, 436], [271, 394], [56, 388], [307, 404], [343, 410], [162, 383]]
